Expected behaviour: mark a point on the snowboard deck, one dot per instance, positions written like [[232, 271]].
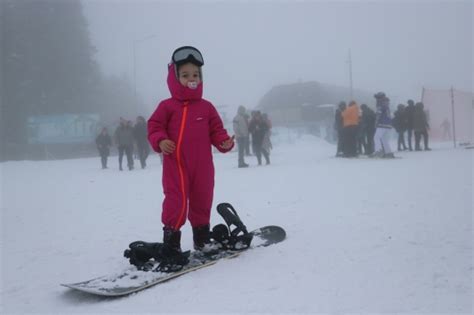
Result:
[[133, 280], [365, 157]]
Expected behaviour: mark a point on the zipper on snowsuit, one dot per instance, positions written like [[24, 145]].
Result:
[[182, 215]]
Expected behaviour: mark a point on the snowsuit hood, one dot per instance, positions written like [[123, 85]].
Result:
[[179, 91]]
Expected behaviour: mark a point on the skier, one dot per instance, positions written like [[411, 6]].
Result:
[[183, 128], [384, 125]]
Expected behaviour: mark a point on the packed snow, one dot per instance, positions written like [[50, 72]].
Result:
[[363, 235]]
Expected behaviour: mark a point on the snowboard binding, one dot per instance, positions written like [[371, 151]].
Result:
[[234, 234], [143, 255], [173, 262]]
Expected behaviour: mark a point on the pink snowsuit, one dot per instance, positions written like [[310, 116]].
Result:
[[193, 124]]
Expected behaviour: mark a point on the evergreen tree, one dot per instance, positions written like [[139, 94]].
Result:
[[47, 67]]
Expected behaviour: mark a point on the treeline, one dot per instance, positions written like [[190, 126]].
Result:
[[48, 68]]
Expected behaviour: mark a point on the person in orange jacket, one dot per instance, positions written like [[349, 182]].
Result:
[[350, 120]]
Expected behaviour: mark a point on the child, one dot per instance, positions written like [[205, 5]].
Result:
[[183, 128]]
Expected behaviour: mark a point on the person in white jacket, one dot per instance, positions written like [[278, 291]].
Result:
[[241, 131]]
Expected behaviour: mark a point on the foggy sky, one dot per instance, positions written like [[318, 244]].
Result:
[[249, 46]]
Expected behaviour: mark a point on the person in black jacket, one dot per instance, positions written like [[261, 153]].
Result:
[[103, 142], [140, 134], [409, 111], [400, 125], [124, 140], [420, 126], [258, 128], [339, 126], [367, 128]]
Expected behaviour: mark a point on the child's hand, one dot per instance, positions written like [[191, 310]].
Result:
[[167, 146], [228, 143]]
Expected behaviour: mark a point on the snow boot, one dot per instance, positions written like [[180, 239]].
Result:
[[377, 154], [171, 242], [202, 240], [171, 257]]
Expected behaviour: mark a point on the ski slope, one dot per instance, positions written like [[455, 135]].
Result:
[[364, 236]]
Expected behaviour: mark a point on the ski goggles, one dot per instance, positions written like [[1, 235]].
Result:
[[187, 54]]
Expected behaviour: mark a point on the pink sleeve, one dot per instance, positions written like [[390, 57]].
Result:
[[157, 126], [218, 133]]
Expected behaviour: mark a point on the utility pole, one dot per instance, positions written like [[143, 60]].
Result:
[[350, 75], [453, 116], [135, 75]]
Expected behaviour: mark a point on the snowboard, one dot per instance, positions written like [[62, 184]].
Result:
[[133, 280], [365, 157]]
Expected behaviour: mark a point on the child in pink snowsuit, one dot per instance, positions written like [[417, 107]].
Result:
[[183, 128]]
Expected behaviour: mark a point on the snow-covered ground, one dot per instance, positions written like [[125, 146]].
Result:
[[364, 236]]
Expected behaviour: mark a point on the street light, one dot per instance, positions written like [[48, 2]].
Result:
[[135, 43]]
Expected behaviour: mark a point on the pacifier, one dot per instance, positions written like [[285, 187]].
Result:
[[192, 85]]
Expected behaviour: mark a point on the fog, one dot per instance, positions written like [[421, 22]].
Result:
[[249, 46]]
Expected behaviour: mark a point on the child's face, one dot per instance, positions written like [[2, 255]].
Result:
[[188, 75]]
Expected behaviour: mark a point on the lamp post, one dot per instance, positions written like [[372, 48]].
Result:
[[135, 43]]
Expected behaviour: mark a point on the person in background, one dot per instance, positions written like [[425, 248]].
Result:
[[247, 139], [141, 139], [400, 125], [258, 128], [267, 143], [350, 121], [103, 142], [384, 125], [446, 126], [409, 117], [420, 126], [367, 126], [241, 131], [361, 140], [124, 141], [339, 127]]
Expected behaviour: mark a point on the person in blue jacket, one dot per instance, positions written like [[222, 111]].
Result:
[[383, 124]]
